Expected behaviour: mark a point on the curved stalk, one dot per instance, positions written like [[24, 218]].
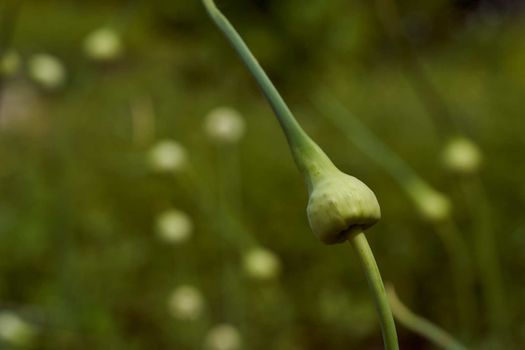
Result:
[[369, 265], [420, 325], [301, 145], [312, 162]]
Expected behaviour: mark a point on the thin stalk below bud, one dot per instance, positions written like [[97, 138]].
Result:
[[369, 265]]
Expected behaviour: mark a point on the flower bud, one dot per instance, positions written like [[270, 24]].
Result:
[[186, 303], [15, 330], [339, 206], [9, 63], [167, 156], [223, 337], [462, 156], [261, 264], [47, 71], [104, 44], [225, 125], [174, 226], [433, 206]]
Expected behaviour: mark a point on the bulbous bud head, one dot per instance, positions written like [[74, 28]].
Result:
[[224, 124], [167, 156], [261, 264], [462, 156], [15, 330], [47, 71], [174, 226], [103, 44], [340, 205], [223, 337], [186, 303]]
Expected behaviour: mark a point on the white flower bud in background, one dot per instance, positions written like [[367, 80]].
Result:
[[174, 226], [261, 264], [9, 63], [224, 124], [223, 337], [462, 156], [167, 156], [186, 303], [433, 206], [46, 70], [15, 330], [103, 44]]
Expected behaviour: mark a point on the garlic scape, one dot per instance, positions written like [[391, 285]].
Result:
[[339, 205]]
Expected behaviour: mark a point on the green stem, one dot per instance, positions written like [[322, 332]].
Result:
[[488, 260], [420, 325], [309, 157], [462, 274], [371, 145], [369, 265]]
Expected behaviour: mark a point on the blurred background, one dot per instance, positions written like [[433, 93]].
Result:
[[148, 199]]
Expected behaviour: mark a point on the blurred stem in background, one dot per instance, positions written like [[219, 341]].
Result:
[[433, 206], [8, 18], [185, 303], [488, 261], [229, 180], [225, 128], [122, 18], [420, 325], [485, 244], [226, 165], [221, 207], [413, 69], [142, 121], [464, 278], [10, 12]]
